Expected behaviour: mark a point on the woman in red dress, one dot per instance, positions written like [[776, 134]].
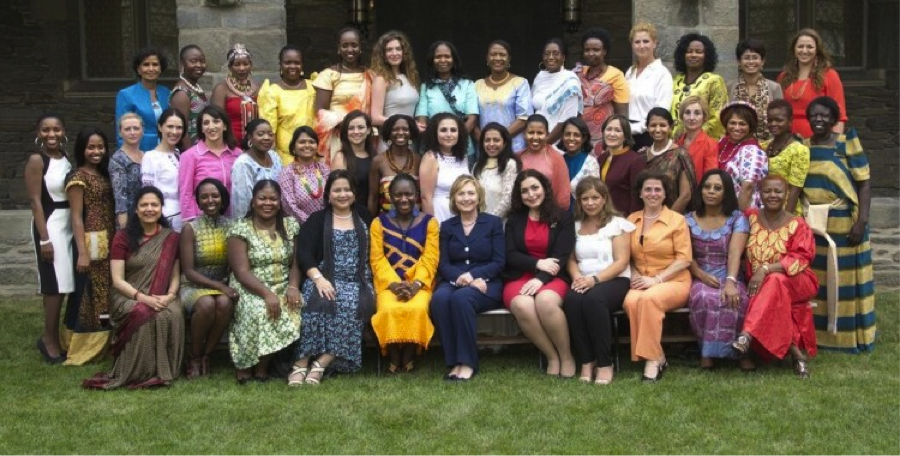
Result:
[[236, 95]]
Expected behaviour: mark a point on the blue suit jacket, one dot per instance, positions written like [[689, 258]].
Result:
[[482, 253], [135, 98]]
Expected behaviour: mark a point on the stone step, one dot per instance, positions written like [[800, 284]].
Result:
[[18, 274], [19, 291]]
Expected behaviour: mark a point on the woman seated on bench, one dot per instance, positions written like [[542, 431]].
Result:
[[472, 257], [779, 319], [660, 281]]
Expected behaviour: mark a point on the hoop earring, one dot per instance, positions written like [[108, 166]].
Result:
[[415, 210], [38, 143], [249, 144], [64, 143], [507, 65], [541, 66]]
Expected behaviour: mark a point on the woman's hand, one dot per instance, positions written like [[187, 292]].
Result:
[[855, 236], [582, 284], [47, 253], [325, 289], [479, 284], [228, 291], [756, 281], [531, 287], [400, 290], [549, 265], [412, 288], [153, 301], [273, 306], [635, 278], [83, 264], [644, 282], [464, 280], [709, 280], [293, 298], [730, 295]]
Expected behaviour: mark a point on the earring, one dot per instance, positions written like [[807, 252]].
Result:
[[38, 143], [249, 144], [541, 66], [415, 210], [507, 65], [64, 143], [302, 72]]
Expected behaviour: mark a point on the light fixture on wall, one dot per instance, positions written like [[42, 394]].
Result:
[[571, 14], [359, 14]]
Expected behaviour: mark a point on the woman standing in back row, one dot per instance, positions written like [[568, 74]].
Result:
[[649, 81]]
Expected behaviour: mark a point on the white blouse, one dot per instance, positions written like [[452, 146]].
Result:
[[160, 169], [653, 88], [594, 252], [498, 188]]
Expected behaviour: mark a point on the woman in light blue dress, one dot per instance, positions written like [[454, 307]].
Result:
[[502, 96]]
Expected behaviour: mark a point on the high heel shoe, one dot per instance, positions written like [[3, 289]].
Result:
[[42, 347], [660, 369]]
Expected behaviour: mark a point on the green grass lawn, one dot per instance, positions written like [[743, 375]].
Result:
[[850, 405]]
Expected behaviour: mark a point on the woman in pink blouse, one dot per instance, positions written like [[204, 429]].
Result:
[[213, 156], [303, 181], [540, 156]]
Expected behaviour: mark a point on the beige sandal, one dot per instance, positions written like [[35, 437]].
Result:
[[316, 369], [298, 376]]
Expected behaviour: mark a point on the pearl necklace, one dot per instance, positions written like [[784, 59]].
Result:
[[342, 217], [656, 153]]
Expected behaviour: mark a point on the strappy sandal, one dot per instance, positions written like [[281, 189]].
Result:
[[408, 367], [741, 344], [392, 369], [316, 369], [298, 375], [801, 369]]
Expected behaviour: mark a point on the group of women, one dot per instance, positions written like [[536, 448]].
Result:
[[379, 208]]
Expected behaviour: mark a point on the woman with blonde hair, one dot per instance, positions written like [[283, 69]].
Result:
[[702, 148], [649, 81]]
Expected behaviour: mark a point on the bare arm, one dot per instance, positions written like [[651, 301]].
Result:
[[34, 177], [379, 93], [323, 99], [684, 193], [182, 103], [746, 195], [239, 262], [516, 127], [858, 230], [621, 109], [793, 197], [76, 205], [374, 184], [218, 96], [428, 170], [621, 257]]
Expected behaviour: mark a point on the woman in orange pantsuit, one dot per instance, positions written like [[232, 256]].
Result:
[[660, 280]]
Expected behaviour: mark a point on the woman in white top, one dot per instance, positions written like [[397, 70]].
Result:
[[394, 89], [447, 144], [649, 81], [159, 167], [556, 91], [496, 168], [601, 277]]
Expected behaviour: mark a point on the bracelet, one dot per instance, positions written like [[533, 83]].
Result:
[[765, 268], [47, 242], [731, 278], [596, 280], [316, 277], [291, 286]]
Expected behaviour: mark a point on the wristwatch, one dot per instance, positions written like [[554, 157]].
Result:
[[596, 280]]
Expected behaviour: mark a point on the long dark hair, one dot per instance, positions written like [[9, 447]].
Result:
[[217, 113], [506, 154], [350, 158], [459, 149], [335, 175], [133, 228], [550, 211], [299, 131], [279, 216], [456, 70], [223, 192], [164, 116], [582, 127], [729, 199], [81, 142]]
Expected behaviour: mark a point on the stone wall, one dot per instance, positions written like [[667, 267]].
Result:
[[874, 112]]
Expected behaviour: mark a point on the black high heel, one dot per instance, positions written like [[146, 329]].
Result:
[[42, 347]]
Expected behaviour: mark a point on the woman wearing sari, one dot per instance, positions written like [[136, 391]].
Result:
[[341, 88], [556, 91], [148, 343], [839, 176], [664, 157], [781, 282]]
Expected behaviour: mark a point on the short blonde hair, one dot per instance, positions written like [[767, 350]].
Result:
[[704, 106], [461, 182], [131, 115], [643, 26]]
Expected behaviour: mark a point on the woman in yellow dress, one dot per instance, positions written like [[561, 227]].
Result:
[[288, 103]]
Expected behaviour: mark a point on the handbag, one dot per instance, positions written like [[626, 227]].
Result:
[[97, 244], [817, 219]]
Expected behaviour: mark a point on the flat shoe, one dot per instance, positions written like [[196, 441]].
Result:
[[741, 344], [801, 369]]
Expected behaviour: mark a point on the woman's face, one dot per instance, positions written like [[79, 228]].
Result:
[[149, 209], [592, 202], [132, 131], [266, 203], [805, 50], [150, 68], [443, 60], [194, 64], [447, 133], [291, 65], [357, 131], [613, 135], [241, 68], [403, 197], [553, 57], [653, 194], [695, 56], [821, 121], [659, 128], [210, 200], [400, 133], [341, 196], [643, 46], [773, 192], [738, 129], [349, 47], [393, 53], [305, 147], [172, 130], [466, 199], [95, 150], [536, 135], [713, 191], [751, 62], [498, 58], [594, 52], [778, 121], [572, 139], [51, 132], [213, 128], [532, 192], [493, 143], [693, 117], [263, 137]]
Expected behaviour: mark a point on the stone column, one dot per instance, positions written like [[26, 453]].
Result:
[[259, 24], [717, 19]]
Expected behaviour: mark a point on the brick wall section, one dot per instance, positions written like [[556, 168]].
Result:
[[874, 112]]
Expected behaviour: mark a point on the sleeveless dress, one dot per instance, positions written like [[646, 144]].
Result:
[[449, 168], [57, 277]]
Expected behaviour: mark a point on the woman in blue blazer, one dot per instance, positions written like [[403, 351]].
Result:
[[147, 98], [472, 257]]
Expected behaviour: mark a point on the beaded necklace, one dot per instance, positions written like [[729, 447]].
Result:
[[304, 181]]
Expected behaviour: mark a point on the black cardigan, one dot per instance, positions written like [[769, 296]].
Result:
[[308, 245], [562, 242]]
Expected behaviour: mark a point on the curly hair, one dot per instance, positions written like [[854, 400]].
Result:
[[549, 210], [381, 67], [388, 126], [711, 57], [824, 61], [432, 143]]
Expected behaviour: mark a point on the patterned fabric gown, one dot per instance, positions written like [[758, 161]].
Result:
[[338, 333], [210, 258], [715, 323], [85, 338], [253, 334]]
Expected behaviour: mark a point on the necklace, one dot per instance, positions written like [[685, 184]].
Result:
[[148, 236], [342, 217], [240, 88], [407, 165], [651, 217], [195, 88], [659, 152], [470, 223], [773, 150], [295, 86], [304, 181], [796, 96], [502, 81]]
